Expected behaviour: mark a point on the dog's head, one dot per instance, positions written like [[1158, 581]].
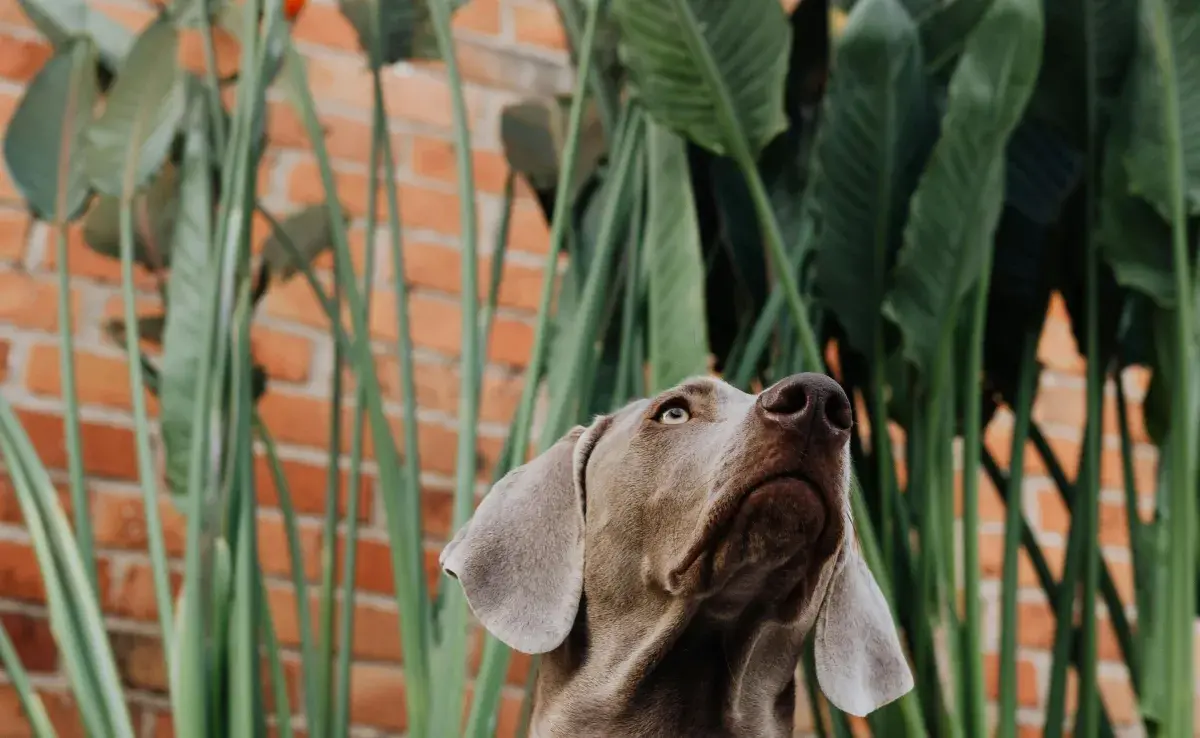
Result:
[[736, 503]]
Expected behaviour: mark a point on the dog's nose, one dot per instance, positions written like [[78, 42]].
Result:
[[808, 401]]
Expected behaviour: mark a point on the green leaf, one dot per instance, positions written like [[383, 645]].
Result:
[[308, 231], [954, 210], [44, 141], [1176, 50], [678, 320], [155, 210], [141, 113], [674, 47], [534, 134], [62, 21], [872, 119], [187, 295], [405, 27]]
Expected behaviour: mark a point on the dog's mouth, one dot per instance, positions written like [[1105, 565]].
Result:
[[722, 512]]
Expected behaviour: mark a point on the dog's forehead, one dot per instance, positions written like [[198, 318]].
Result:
[[701, 388]]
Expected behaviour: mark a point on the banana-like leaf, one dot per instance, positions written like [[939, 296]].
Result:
[[405, 27], [187, 293], [873, 116], [675, 48], [308, 231], [1165, 81], [678, 332], [155, 211], [954, 210], [1132, 236], [534, 133], [43, 145], [62, 21], [141, 113]]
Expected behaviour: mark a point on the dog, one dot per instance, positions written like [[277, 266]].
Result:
[[670, 559]]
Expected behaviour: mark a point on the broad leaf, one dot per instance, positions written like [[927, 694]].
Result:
[[954, 211], [133, 135], [62, 21], [872, 120], [712, 70], [188, 293], [678, 334], [534, 134], [155, 209], [308, 231], [404, 27], [1165, 82], [150, 329], [43, 145]]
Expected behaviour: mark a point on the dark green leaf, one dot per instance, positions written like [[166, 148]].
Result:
[[1165, 81], [404, 27], [43, 145], [533, 134], [155, 209], [308, 231], [678, 335], [670, 48], [873, 116], [187, 298], [133, 135], [957, 203]]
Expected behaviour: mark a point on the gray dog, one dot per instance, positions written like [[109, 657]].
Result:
[[670, 559]]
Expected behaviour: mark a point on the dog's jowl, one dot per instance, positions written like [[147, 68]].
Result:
[[670, 559]]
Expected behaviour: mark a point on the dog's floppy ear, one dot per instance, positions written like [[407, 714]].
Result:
[[860, 665], [520, 558]]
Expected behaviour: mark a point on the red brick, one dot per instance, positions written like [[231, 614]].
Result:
[[437, 159], [227, 52], [438, 266], [273, 547], [60, 707], [378, 698], [107, 450], [991, 553], [345, 138], [991, 506], [1057, 349], [376, 629], [14, 231], [306, 483], [1027, 680], [99, 380], [4, 349], [10, 506], [21, 576], [437, 388], [295, 300], [284, 356], [528, 230], [140, 661], [539, 25], [26, 302], [119, 522], [478, 16], [325, 25], [22, 58], [436, 324], [132, 593], [34, 642], [82, 261]]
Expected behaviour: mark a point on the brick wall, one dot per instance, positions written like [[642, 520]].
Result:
[[508, 49]]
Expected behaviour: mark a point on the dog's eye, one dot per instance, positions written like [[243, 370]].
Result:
[[673, 415]]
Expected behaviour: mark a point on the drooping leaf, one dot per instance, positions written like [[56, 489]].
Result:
[[188, 294], [677, 330], [670, 48], [155, 209], [134, 133], [873, 116], [150, 329], [1165, 81], [953, 213], [308, 231], [43, 145], [534, 133], [405, 27], [62, 21]]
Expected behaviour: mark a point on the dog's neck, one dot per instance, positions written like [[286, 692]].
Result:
[[677, 671]]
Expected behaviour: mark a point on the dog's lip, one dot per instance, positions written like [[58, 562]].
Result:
[[723, 509]]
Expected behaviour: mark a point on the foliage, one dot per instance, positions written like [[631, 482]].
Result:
[[891, 197]]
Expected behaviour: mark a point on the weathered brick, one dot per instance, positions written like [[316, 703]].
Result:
[[538, 25], [82, 261], [33, 640], [436, 158], [22, 58], [28, 302], [99, 380], [14, 232]]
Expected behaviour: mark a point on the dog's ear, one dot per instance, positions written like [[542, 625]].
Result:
[[860, 665], [520, 558]]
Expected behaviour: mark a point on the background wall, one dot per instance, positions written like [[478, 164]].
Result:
[[508, 49]]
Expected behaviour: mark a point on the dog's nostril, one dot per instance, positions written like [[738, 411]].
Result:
[[837, 411], [786, 399]]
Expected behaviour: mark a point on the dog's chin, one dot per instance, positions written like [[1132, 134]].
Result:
[[775, 522]]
